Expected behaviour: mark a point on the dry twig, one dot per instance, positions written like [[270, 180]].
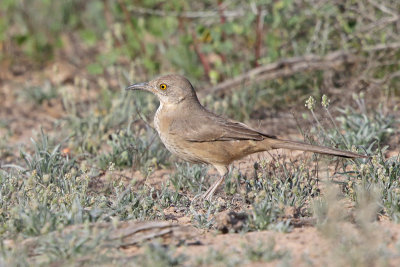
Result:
[[290, 66]]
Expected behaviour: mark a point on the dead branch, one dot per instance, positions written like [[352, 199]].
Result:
[[122, 234], [188, 14], [201, 56], [291, 66]]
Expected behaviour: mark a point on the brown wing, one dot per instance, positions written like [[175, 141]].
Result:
[[207, 127]]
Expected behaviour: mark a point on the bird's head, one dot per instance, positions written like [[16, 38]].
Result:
[[170, 89]]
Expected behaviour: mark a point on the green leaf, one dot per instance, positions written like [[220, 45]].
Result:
[[89, 37], [95, 68]]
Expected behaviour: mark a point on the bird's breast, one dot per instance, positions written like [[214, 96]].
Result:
[[175, 144], [161, 120]]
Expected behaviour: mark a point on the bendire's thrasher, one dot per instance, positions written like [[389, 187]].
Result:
[[197, 135]]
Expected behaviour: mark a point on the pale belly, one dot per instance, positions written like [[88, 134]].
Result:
[[177, 149]]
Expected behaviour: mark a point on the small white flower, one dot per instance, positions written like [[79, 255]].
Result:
[[310, 103], [325, 101]]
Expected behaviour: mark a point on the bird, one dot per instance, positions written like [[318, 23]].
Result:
[[197, 135]]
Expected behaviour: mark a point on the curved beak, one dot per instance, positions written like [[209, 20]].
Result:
[[138, 86]]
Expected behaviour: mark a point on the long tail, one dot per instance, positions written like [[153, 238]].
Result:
[[278, 143]]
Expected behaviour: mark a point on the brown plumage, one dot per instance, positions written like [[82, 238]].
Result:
[[197, 135]]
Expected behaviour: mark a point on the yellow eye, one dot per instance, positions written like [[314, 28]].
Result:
[[163, 86]]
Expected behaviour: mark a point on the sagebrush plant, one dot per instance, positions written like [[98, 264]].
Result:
[[106, 114], [39, 94], [190, 178], [267, 215], [283, 182], [233, 180], [360, 129], [205, 218], [138, 148], [47, 161], [53, 191], [383, 175], [366, 130], [278, 184], [73, 246]]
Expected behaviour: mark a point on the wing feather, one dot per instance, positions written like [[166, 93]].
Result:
[[207, 127]]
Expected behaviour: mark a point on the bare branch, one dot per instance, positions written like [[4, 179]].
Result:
[[382, 47], [290, 66], [383, 8], [188, 14]]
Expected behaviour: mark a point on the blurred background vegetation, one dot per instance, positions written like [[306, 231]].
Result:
[[208, 41]]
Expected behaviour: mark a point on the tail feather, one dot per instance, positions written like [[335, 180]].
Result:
[[278, 143]]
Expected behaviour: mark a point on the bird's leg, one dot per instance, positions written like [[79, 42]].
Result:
[[210, 192], [223, 171]]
